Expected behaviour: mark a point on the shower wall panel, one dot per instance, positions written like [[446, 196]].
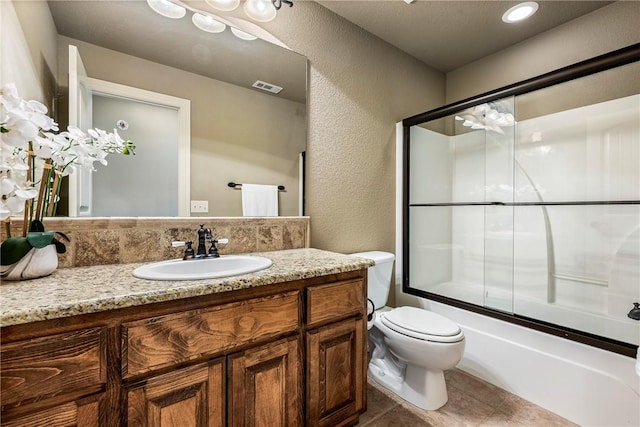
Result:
[[540, 219]]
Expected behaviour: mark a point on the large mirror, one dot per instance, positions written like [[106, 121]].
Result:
[[237, 132]]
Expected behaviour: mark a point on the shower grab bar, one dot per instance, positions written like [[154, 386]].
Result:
[[239, 186], [516, 204], [581, 279]]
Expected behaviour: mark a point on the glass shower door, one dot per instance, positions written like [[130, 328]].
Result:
[[461, 206]]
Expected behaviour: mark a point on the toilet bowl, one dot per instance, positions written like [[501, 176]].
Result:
[[410, 347]]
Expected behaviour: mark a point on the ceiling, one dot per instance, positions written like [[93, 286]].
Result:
[[449, 34], [443, 34], [133, 28]]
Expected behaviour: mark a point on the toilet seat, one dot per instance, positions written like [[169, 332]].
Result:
[[421, 324]]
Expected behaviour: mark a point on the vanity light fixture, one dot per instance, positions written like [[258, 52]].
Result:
[[520, 12], [207, 23], [278, 3], [260, 10], [224, 5], [167, 8], [257, 10]]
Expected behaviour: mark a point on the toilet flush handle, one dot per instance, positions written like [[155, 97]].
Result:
[[373, 309]]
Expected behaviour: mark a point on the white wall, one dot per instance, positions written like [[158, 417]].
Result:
[[20, 70]]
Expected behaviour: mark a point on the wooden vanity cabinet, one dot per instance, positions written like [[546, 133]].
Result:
[[67, 371], [265, 386], [289, 354], [193, 396], [336, 353]]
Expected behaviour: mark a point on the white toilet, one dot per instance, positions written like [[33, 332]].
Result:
[[410, 347]]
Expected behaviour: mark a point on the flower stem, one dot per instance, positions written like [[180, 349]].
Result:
[[45, 189], [55, 191], [28, 205], [25, 221], [7, 227]]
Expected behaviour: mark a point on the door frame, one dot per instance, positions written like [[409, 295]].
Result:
[[183, 107]]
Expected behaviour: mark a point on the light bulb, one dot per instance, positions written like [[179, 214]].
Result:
[[207, 23], [167, 8], [519, 12], [224, 5], [242, 35], [260, 10]]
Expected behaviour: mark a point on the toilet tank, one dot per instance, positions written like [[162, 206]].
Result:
[[379, 276]]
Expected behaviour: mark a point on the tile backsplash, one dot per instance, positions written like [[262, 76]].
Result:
[[98, 241]]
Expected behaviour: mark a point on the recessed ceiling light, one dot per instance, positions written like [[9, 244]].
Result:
[[520, 12]]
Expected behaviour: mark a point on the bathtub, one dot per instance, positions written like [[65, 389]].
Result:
[[587, 385], [618, 327], [584, 384]]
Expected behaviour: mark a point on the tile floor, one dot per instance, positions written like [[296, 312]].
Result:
[[472, 402]]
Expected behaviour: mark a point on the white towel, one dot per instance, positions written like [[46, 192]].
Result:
[[259, 200]]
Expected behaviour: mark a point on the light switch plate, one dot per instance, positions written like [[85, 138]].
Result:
[[199, 206]]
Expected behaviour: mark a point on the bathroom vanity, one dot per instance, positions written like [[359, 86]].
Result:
[[94, 346]]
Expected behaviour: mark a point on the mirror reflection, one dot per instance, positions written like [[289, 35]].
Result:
[[236, 132]]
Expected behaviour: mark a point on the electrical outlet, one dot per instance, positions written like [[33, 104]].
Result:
[[199, 206]]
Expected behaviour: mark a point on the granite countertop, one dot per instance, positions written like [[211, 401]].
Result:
[[82, 290]]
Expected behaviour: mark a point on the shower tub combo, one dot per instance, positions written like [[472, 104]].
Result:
[[524, 205]]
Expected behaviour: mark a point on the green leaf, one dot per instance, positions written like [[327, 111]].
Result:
[[13, 250]]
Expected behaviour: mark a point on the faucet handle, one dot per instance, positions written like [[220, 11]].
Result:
[[189, 253]]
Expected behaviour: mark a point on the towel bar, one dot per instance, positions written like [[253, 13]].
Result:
[[238, 186]]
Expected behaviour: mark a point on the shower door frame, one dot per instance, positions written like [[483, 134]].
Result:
[[617, 58]]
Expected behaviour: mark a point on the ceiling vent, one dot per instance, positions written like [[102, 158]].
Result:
[[259, 84]]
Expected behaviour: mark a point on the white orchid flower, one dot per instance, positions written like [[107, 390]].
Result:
[[29, 136], [5, 212], [74, 133], [13, 201], [7, 185], [43, 147], [9, 98], [21, 131]]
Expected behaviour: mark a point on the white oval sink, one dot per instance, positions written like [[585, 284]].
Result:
[[205, 268]]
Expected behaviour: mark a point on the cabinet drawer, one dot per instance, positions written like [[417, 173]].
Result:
[[84, 412], [52, 366], [334, 301], [164, 341]]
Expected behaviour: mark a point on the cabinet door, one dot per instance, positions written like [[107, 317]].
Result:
[[84, 412], [336, 373], [190, 397], [265, 386]]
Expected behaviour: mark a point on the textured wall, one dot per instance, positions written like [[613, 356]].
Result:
[[359, 87], [609, 28]]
